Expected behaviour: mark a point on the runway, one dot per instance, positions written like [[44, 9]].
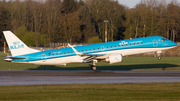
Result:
[[34, 77]]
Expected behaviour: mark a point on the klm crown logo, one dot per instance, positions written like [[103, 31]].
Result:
[[16, 45], [123, 43]]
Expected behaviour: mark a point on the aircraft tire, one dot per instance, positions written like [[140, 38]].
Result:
[[93, 67], [159, 58]]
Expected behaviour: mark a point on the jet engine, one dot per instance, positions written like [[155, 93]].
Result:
[[114, 58]]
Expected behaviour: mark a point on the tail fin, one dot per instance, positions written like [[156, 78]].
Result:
[[16, 46]]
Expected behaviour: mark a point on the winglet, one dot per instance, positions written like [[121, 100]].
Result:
[[77, 53]]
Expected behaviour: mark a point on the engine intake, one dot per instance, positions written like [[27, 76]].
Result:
[[114, 58]]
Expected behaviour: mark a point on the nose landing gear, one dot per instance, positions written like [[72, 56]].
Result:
[[159, 55]]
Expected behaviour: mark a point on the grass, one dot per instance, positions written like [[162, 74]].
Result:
[[93, 92], [96, 92], [129, 63]]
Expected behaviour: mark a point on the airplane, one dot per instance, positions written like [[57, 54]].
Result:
[[111, 52]]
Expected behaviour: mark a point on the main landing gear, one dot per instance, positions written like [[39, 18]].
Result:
[[93, 66]]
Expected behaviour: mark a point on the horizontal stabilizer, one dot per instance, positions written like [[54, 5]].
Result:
[[10, 58]]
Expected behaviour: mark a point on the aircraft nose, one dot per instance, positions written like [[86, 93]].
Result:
[[172, 43]]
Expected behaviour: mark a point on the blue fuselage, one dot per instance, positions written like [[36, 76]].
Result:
[[125, 47]]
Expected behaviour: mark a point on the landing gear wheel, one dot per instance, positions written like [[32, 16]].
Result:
[[159, 55], [159, 58], [93, 67]]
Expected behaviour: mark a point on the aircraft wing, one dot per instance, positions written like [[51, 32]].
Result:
[[90, 57], [81, 54], [92, 54]]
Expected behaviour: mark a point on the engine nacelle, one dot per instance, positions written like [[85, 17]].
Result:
[[114, 58]]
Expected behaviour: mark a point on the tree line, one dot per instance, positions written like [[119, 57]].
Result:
[[79, 21]]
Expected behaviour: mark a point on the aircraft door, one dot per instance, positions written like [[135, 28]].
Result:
[[155, 42], [43, 57]]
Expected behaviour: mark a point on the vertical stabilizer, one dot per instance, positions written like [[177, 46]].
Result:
[[16, 46]]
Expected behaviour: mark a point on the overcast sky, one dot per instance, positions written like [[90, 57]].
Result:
[[129, 3], [132, 3]]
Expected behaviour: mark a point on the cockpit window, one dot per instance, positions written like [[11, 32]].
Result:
[[163, 39]]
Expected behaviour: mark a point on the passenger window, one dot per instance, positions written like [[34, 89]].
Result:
[[114, 46], [68, 52], [111, 46], [86, 49], [60, 53], [98, 48], [94, 48], [89, 49], [82, 51], [72, 52], [57, 54], [106, 47], [134, 43], [141, 42], [64, 52], [118, 45]]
